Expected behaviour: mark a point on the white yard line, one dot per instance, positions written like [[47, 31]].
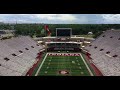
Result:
[[68, 59], [86, 65], [41, 65], [57, 66]]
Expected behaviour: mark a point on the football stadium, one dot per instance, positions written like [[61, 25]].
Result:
[[64, 54]]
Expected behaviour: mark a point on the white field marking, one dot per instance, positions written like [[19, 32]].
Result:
[[41, 65], [70, 66], [73, 62], [86, 65], [57, 65]]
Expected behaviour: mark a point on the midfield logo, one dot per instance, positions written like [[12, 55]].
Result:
[[64, 72]]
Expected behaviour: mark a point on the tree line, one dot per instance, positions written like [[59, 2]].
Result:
[[77, 29]]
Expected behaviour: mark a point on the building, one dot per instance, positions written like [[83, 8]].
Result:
[[90, 33], [6, 33]]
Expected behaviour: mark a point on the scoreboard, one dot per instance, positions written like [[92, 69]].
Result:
[[63, 32]]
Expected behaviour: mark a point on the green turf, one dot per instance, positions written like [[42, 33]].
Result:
[[54, 64]]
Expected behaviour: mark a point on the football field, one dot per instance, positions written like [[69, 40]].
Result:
[[63, 64]]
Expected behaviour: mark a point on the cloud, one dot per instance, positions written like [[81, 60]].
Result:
[[62, 17], [111, 18], [45, 16], [35, 18]]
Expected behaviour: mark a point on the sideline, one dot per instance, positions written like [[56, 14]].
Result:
[[86, 65], [41, 65]]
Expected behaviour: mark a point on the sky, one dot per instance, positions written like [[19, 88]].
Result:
[[61, 18]]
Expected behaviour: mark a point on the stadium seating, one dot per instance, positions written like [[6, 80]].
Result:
[[17, 55], [105, 52]]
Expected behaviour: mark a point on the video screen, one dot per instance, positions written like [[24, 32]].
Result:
[[63, 32]]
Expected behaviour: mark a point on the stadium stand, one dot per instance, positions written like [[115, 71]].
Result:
[[105, 52], [18, 55]]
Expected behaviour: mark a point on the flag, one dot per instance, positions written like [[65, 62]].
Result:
[[47, 29]]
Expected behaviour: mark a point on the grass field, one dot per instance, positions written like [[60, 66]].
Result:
[[61, 65]]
